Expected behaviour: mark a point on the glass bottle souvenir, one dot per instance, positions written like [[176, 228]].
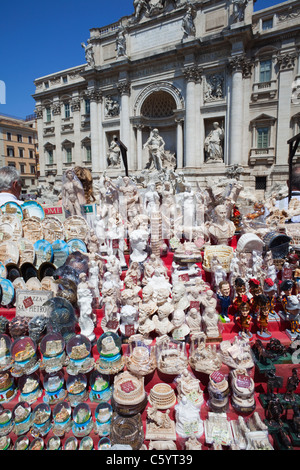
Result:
[[77, 389], [54, 443], [8, 388], [103, 416], [86, 443], [104, 443], [79, 353], [6, 421], [54, 386], [71, 444], [82, 420], [30, 389], [22, 418], [100, 387], [41, 420], [62, 419], [24, 354], [52, 348], [37, 444], [22, 443], [110, 361], [6, 443]]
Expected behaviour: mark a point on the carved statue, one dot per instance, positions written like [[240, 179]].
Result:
[[121, 43], [89, 53], [187, 24], [72, 194], [156, 146], [239, 10], [112, 107], [114, 153], [213, 144]]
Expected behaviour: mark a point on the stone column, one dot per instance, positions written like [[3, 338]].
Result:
[[179, 148], [240, 68], [124, 90], [192, 74], [139, 145], [77, 158], [286, 64], [59, 156], [94, 97]]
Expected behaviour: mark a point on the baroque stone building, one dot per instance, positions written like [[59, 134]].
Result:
[[220, 82]]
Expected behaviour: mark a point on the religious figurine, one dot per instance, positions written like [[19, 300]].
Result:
[[224, 298], [156, 146], [72, 194], [244, 317], [214, 144], [263, 317], [179, 297], [210, 320], [222, 229], [181, 329], [194, 321], [188, 421], [85, 299], [188, 386]]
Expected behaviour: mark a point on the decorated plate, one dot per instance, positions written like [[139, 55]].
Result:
[[12, 208], [61, 251], [9, 252], [76, 245], [43, 251], [53, 229], [26, 250], [76, 227], [33, 209], [8, 292], [32, 229]]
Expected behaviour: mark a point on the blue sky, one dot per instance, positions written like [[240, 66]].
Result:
[[38, 38]]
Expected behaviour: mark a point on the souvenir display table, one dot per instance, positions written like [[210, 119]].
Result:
[[114, 338]]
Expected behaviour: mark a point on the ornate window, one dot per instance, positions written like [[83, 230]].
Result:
[[158, 105]]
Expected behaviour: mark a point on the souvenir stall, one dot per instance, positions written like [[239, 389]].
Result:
[[152, 318]]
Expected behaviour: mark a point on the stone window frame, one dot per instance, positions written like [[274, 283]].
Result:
[[264, 154], [49, 147], [67, 147], [265, 89]]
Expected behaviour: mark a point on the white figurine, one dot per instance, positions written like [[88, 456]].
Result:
[[188, 421], [84, 300]]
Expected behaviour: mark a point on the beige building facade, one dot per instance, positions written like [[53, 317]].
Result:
[[19, 148], [220, 82]]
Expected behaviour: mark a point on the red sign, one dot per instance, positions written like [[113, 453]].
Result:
[[217, 377], [53, 210], [28, 302], [184, 277], [243, 381], [128, 386]]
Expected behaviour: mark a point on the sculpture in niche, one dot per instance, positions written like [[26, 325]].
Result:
[[214, 87], [89, 53], [213, 144], [238, 10], [112, 107], [140, 7], [156, 147], [121, 43], [187, 25], [114, 153]]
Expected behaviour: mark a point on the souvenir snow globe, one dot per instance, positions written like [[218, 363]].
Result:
[[71, 444], [141, 358], [6, 443], [6, 360], [24, 354], [30, 389], [86, 443], [22, 418], [8, 389], [82, 420], [79, 353], [105, 444], [52, 348], [103, 416], [171, 355], [41, 421], [110, 359], [6, 421], [54, 388], [37, 444], [77, 389], [62, 422], [54, 443], [100, 387], [22, 443]]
